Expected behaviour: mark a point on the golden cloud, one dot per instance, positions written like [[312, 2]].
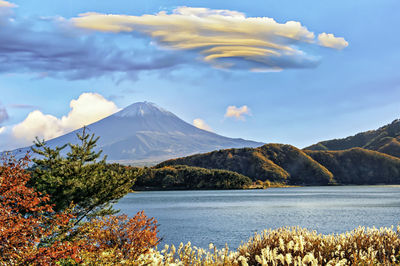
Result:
[[330, 41], [200, 123], [237, 112], [223, 38]]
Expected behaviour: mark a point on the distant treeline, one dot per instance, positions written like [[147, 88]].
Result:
[[187, 177]]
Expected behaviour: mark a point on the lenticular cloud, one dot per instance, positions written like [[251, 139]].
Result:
[[223, 38]]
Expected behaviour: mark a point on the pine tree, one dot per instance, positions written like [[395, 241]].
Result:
[[80, 178]]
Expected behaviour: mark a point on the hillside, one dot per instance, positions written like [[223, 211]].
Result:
[[287, 164], [385, 139], [274, 162], [359, 166], [186, 177]]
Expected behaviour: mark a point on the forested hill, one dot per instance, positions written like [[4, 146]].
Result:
[[359, 166], [274, 162], [385, 139], [290, 165]]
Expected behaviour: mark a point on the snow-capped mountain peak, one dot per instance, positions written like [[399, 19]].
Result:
[[142, 109]]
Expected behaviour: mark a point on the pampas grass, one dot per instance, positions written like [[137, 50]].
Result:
[[290, 246]]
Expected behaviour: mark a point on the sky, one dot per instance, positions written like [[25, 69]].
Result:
[[294, 72]]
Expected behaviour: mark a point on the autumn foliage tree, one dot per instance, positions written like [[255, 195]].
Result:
[[33, 233], [30, 230]]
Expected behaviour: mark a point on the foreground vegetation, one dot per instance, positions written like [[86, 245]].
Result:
[[33, 233], [291, 246]]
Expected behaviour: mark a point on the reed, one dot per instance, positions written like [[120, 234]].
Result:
[[291, 246]]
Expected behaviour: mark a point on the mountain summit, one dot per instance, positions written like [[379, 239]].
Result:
[[143, 109], [144, 133]]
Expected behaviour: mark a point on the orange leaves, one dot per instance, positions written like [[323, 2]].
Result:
[[131, 237], [56, 252], [25, 218]]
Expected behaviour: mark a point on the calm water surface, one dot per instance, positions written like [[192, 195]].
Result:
[[232, 216]]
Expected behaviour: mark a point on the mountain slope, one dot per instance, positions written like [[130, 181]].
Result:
[[274, 162], [287, 164], [386, 139], [359, 166], [144, 133]]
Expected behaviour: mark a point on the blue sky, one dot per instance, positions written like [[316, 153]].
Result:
[[259, 76]]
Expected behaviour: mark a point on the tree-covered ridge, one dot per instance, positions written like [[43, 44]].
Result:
[[385, 139], [289, 165], [274, 162], [186, 177], [359, 166]]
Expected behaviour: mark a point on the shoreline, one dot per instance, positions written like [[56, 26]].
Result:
[[144, 189]]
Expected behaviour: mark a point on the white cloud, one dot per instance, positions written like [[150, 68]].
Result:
[[199, 123], [329, 40], [88, 108], [223, 38], [237, 112], [2, 130], [38, 124]]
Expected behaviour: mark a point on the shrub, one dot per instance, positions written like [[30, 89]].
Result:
[[117, 238]]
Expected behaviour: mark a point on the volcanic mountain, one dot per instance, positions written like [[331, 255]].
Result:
[[144, 133]]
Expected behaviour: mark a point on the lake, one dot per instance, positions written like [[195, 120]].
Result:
[[232, 216]]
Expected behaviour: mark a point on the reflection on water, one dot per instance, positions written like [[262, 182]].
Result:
[[232, 216]]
